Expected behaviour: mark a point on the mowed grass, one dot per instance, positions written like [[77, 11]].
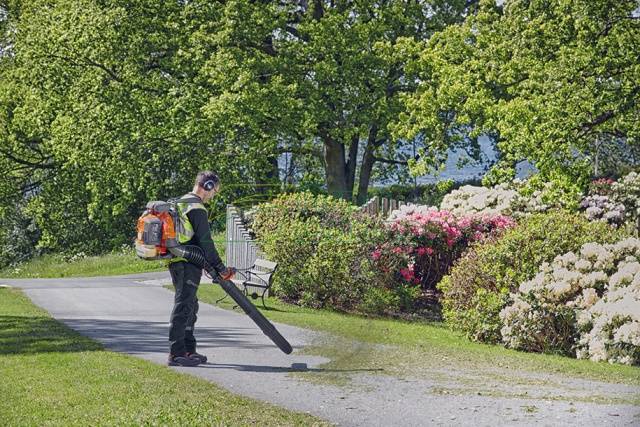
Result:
[[52, 376], [421, 346], [110, 264]]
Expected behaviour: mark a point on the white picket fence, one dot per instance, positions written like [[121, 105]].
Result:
[[381, 206], [241, 250]]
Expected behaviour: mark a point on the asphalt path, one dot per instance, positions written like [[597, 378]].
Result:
[[129, 314]]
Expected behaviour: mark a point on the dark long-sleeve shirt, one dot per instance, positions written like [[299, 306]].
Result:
[[202, 238]]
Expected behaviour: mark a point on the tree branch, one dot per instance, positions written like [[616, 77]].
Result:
[[390, 161]]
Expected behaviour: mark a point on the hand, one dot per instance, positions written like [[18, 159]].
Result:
[[228, 273]]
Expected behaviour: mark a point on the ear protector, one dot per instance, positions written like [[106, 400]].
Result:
[[209, 184]]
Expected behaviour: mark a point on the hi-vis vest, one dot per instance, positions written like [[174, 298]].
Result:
[[184, 205], [164, 226]]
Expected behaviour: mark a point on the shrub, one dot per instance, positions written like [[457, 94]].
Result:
[[610, 328], [480, 281], [600, 285], [603, 208], [469, 200], [627, 192], [537, 194], [18, 236], [324, 256], [601, 186], [423, 242], [424, 194], [329, 212]]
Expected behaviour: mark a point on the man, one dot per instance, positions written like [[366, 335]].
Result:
[[192, 229]]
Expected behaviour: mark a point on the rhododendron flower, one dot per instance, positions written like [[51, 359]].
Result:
[[407, 274], [376, 254]]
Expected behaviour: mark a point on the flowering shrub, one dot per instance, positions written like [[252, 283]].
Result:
[[424, 241], [611, 326], [537, 195], [627, 192], [586, 304], [479, 284], [518, 198], [601, 186], [469, 199], [602, 208]]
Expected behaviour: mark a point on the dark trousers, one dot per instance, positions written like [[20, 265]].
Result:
[[186, 279]]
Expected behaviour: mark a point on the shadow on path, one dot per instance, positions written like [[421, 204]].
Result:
[[152, 337], [295, 367]]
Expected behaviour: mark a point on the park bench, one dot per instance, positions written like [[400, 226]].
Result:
[[256, 280]]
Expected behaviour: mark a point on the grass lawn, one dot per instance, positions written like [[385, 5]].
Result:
[[50, 375], [424, 348], [104, 265]]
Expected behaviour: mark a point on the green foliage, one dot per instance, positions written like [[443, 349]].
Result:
[[102, 109], [322, 246], [18, 237], [539, 194], [545, 79], [478, 285], [329, 211], [321, 266]]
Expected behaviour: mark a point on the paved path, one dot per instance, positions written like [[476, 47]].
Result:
[[130, 314]]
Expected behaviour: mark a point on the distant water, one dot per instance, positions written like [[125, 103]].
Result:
[[471, 170]]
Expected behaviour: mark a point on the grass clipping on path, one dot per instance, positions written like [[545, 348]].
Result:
[[429, 350], [51, 375]]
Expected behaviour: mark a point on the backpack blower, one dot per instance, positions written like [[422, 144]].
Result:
[[157, 240]]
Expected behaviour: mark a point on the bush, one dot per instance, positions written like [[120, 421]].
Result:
[[431, 239], [600, 285], [329, 212], [479, 283], [627, 192], [537, 194], [603, 208], [469, 200], [324, 256]]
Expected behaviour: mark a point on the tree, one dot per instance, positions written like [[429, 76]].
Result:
[[319, 78], [101, 109], [546, 78]]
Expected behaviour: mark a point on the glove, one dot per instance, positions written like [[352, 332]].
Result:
[[228, 273]]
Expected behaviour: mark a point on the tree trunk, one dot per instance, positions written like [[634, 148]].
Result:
[[335, 168], [368, 159], [271, 178], [351, 164]]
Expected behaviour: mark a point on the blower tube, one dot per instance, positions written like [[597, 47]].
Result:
[[195, 255]]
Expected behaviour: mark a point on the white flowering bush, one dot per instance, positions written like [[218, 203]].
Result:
[[627, 192], [537, 195], [603, 208], [611, 326], [585, 304], [469, 199]]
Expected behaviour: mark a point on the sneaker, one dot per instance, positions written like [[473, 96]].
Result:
[[201, 357], [182, 361]]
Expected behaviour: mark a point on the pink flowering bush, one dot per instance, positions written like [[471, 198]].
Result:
[[601, 186], [424, 241]]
